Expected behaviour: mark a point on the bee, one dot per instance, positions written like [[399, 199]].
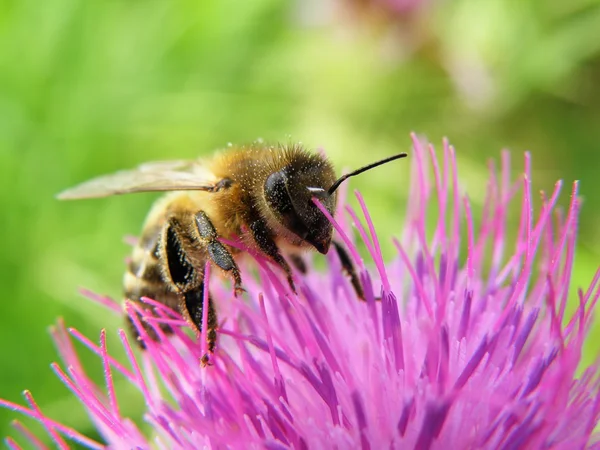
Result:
[[262, 194]]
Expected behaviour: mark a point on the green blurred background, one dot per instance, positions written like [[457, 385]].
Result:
[[89, 87]]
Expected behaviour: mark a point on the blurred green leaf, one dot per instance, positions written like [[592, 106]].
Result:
[[96, 86]]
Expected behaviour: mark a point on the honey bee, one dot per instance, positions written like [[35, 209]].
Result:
[[259, 193]]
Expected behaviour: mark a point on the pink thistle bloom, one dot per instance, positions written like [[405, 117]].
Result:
[[479, 354]]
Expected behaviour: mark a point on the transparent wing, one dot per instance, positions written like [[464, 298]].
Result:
[[154, 176]]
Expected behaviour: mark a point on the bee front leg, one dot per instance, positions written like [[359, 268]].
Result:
[[298, 263], [264, 241], [217, 252], [178, 249], [348, 267]]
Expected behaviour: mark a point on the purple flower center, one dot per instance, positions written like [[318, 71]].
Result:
[[449, 350]]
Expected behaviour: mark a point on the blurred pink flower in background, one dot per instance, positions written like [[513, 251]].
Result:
[[400, 7], [463, 350]]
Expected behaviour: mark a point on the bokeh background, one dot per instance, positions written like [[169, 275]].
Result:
[[89, 87]]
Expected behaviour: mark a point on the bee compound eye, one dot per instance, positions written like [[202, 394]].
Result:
[[278, 198], [276, 193]]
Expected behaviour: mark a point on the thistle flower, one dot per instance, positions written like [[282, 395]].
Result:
[[442, 354]]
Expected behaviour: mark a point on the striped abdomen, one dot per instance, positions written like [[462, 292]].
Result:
[[144, 278]]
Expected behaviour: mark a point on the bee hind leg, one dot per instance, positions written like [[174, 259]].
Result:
[[177, 249], [217, 252], [194, 307]]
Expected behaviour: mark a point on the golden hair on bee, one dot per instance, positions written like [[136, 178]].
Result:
[[259, 193]]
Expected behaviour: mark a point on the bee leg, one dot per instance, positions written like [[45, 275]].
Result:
[[217, 252], [348, 267], [298, 263], [177, 248], [265, 242], [194, 308]]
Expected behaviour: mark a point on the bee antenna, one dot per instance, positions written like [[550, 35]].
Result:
[[343, 178]]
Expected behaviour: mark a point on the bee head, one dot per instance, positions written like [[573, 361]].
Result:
[[289, 193]]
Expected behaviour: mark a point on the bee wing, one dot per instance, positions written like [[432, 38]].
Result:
[[154, 176]]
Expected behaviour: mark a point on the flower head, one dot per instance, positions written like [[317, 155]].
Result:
[[449, 350]]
